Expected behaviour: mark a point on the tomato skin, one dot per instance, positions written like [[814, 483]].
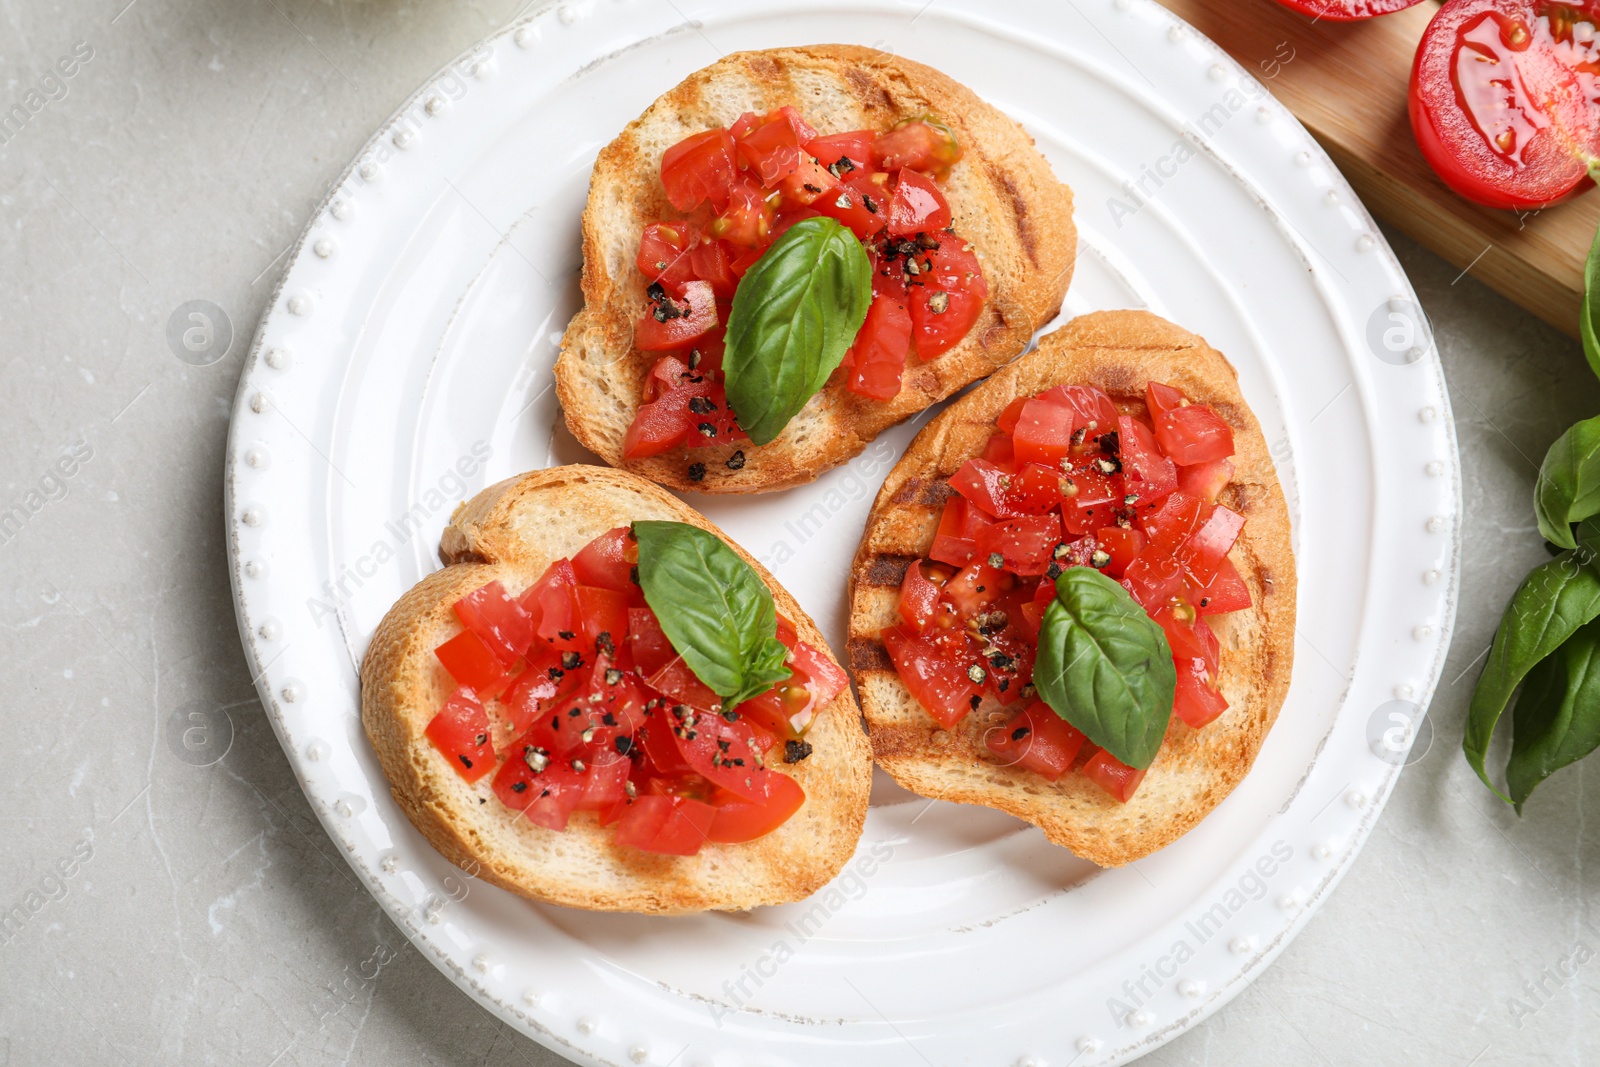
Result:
[[939, 683], [878, 357], [951, 278], [918, 598], [473, 664], [739, 820], [1114, 776], [1047, 744], [1455, 106], [670, 323], [1347, 10], [917, 206], [460, 731], [701, 167], [503, 624]]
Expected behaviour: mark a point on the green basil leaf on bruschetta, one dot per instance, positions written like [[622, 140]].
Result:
[[1557, 718], [1568, 490], [1553, 603], [795, 313], [1104, 665], [713, 607]]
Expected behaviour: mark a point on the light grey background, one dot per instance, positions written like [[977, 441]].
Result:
[[212, 920]]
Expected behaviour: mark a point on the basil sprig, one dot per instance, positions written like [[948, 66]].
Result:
[[1552, 604], [794, 314], [1569, 483], [713, 607], [1104, 665], [1555, 721]]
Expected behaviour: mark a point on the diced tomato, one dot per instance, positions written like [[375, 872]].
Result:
[[919, 145], [1092, 406], [1174, 521], [1149, 475], [503, 624], [655, 740], [1003, 494], [939, 683], [771, 150], [858, 203], [1195, 702], [556, 792], [1025, 544], [1043, 432], [1160, 398], [712, 262], [1208, 546], [824, 678], [665, 252], [1226, 592], [513, 782], [1153, 578], [679, 682], [810, 182], [976, 586], [677, 322], [917, 206], [699, 168], [608, 561], [747, 218], [603, 614], [537, 689], [949, 295], [721, 751], [855, 146], [1013, 411], [999, 451], [1194, 434], [675, 826], [745, 820], [1121, 545], [651, 649], [1038, 740], [1115, 777], [696, 414], [460, 731], [1089, 501], [1205, 480], [604, 782], [473, 664], [918, 597], [553, 603], [878, 357], [959, 526]]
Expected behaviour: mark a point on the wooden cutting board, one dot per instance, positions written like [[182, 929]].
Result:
[[1346, 81]]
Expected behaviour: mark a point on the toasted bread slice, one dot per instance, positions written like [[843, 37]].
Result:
[[1119, 352], [1003, 197], [512, 531]]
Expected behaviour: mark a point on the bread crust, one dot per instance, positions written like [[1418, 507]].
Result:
[[1004, 200], [512, 531], [1119, 352]]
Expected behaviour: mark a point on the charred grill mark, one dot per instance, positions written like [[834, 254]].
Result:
[[868, 655], [888, 570], [917, 491], [1019, 207], [872, 95]]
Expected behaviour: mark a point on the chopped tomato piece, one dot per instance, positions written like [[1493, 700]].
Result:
[[856, 146], [1043, 432], [1205, 480], [1225, 592], [976, 586], [858, 203], [712, 262], [721, 751], [604, 614], [917, 206], [556, 791], [938, 682], [1008, 418], [1038, 740], [1160, 398], [553, 603], [1025, 544], [503, 624], [1153, 578], [1003, 494], [473, 664], [745, 820], [1090, 500], [1174, 521], [461, 734], [665, 253], [675, 826], [1000, 451], [1096, 413], [918, 597], [677, 322], [919, 145], [747, 218], [878, 357], [1194, 434], [959, 526], [948, 297], [1149, 474], [699, 168], [771, 150], [605, 779], [1196, 702], [807, 184], [1115, 777], [608, 561], [1121, 545], [1208, 546], [536, 690]]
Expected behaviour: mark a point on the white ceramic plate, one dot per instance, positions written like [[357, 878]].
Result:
[[405, 362]]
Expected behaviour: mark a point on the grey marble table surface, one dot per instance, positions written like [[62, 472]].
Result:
[[158, 912]]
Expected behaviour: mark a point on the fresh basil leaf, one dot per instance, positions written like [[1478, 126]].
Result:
[[1569, 482], [1557, 718], [796, 311], [1553, 602], [1104, 665], [713, 607], [1589, 315]]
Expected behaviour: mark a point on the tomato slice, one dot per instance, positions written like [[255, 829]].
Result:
[[946, 290], [460, 731], [1112, 775], [676, 322], [1503, 100], [878, 357], [675, 826], [503, 624], [1148, 473], [699, 168], [745, 820], [721, 751], [918, 144], [473, 664], [1043, 432], [856, 146], [608, 561], [665, 252], [917, 205], [918, 597], [938, 682], [1037, 740]]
